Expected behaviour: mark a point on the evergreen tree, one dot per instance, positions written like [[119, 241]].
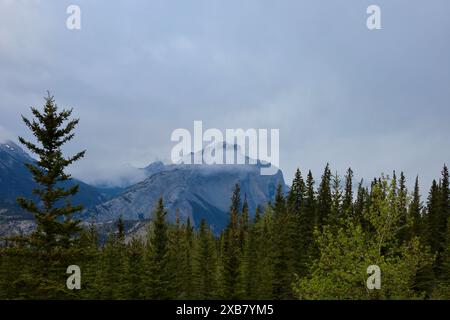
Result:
[[297, 194], [250, 261], [231, 251], [55, 225], [324, 197], [283, 247], [442, 290], [310, 215], [439, 217], [336, 197], [265, 268], [310, 199], [159, 277], [206, 260], [135, 270], [402, 207], [176, 259], [433, 215], [110, 280], [51, 246], [360, 204], [415, 210], [444, 208], [244, 223], [188, 282], [347, 202], [89, 260], [303, 219]]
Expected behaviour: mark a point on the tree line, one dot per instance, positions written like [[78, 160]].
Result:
[[314, 242]]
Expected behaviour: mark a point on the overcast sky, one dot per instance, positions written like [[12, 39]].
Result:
[[339, 93]]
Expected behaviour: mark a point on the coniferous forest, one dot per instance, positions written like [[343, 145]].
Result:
[[314, 242]]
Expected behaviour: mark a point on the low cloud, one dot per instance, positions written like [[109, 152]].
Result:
[[5, 135]]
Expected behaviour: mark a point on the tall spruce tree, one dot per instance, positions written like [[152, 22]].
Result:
[[441, 220], [443, 287], [402, 208], [159, 276], [336, 200], [415, 212], [297, 193], [433, 213], [310, 198], [135, 270], [231, 249], [284, 254], [52, 129], [206, 263], [324, 197], [250, 260], [110, 282], [176, 257], [347, 202], [303, 223], [265, 269], [188, 282], [244, 221]]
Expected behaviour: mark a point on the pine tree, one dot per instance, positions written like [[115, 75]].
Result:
[[441, 219], [158, 286], [55, 225], [206, 260], [250, 260], [283, 247], [347, 202], [443, 287], [176, 259], [188, 282], [244, 223], [324, 197], [336, 197], [310, 216], [303, 223], [432, 227], [360, 204], [52, 243], [415, 212], [297, 194], [265, 268], [89, 260], [110, 281], [135, 270], [310, 199], [402, 207], [231, 250]]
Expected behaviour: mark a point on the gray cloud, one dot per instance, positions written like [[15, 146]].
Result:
[[137, 70], [5, 135]]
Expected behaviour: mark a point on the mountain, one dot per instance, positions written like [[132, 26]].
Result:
[[16, 180], [196, 191]]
